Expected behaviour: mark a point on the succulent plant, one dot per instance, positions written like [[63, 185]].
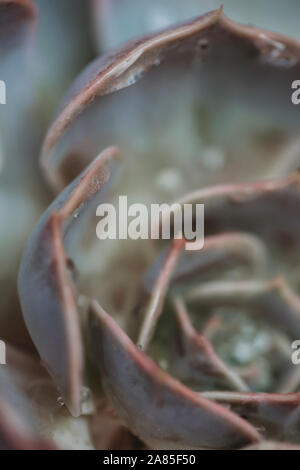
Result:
[[136, 344]]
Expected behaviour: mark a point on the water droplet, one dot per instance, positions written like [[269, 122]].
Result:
[[131, 80], [76, 215], [134, 77], [60, 401], [139, 346]]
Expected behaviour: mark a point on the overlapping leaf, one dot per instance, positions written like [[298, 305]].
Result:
[[51, 314]]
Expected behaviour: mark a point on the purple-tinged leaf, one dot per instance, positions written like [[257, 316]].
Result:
[[154, 303], [157, 408], [196, 358], [220, 252], [46, 288], [240, 61], [279, 414], [272, 300], [247, 206]]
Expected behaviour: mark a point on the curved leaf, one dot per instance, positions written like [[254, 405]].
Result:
[[154, 304], [46, 288], [220, 252], [156, 407], [273, 300], [197, 359], [275, 412], [246, 54]]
